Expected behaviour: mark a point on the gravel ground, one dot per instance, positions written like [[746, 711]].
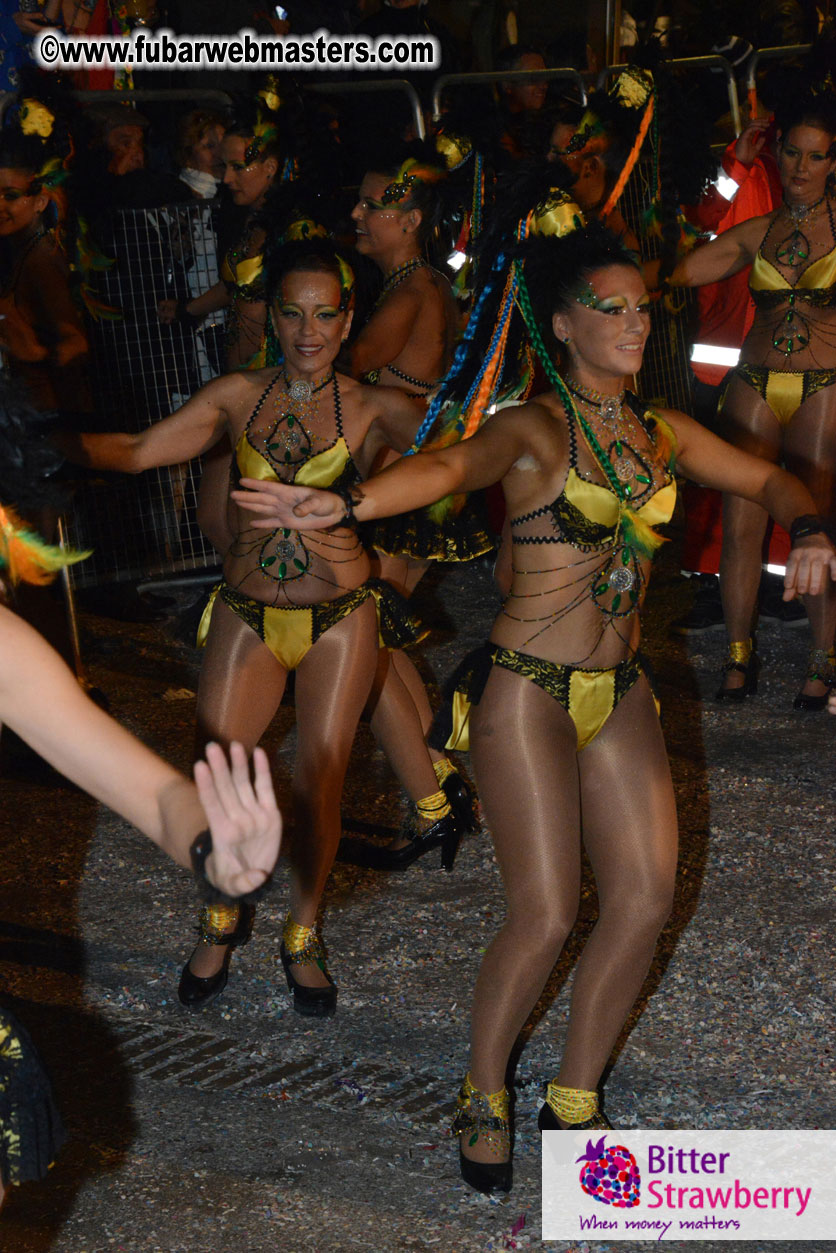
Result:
[[247, 1128]]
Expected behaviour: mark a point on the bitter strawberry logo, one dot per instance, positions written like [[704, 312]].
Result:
[[610, 1175]]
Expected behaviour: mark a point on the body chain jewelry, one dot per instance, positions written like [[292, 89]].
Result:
[[792, 334], [796, 246], [290, 557]]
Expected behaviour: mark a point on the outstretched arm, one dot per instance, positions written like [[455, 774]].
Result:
[[41, 700], [410, 483], [712, 462], [190, 431]]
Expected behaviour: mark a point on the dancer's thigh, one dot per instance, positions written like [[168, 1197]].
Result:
[[629, 812], [332, 685], [241, 682], [810, 447], [524, 753]]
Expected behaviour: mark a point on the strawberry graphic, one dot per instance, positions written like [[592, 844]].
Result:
[[610, 1175]]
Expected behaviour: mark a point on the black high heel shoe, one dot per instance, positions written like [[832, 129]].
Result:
[[462, 800], [445, 833], [485, 1114], [821, 666], [744, 660], [301, 946], [195, 993]]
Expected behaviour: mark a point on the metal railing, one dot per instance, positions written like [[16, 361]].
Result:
[[503, 76], [772, 54], [712, 61], [377, 85]]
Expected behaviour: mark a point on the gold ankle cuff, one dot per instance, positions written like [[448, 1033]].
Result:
[[302, 944], [484, 1114], [217, 923], [739, 652], [571, 1105]]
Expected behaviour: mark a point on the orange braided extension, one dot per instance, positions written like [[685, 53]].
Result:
[[615, 194]]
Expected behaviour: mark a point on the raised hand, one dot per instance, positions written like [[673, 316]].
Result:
[[810, 566], [243, 818], [752, 140], [283, 505]]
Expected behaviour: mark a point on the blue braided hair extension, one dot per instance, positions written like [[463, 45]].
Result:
[[461, 355]]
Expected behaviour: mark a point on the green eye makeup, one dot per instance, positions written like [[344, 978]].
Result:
[[612, 305]]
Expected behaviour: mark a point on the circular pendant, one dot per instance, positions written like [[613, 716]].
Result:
[[624, 468], [292, 439], [300, 390], [285, 549], [621, 579], [611, 409]]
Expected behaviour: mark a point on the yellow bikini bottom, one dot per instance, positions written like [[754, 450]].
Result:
[[785, 390], [588, 696], [290, 632]]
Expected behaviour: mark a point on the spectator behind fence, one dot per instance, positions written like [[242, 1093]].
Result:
[[521, 121], [199, 138]]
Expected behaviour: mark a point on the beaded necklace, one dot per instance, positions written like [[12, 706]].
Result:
[[796, 246], [628, 464], [398, 276], [289, 440]]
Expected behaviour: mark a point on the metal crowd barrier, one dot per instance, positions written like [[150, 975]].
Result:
[[712, 61], [144, 526], [772, 54], [503, 76], [339, 88]]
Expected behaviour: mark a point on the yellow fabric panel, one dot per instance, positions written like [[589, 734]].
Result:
[[288, 633], [660, 506], [784, 393], [325, 468], [206, 618], [821, 274], [591, 699], [459, 739], [321, 471], [599, 504], [247, 270]]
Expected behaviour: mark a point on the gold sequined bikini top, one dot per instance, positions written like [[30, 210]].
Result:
[[815, 285], [586, 514], [245, 276], [322, 470]]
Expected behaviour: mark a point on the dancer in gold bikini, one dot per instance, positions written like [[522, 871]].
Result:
[[288, 601], [780, 403], [564, 733]]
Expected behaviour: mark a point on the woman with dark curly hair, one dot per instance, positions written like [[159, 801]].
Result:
[[564, 733], [779, 403]]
